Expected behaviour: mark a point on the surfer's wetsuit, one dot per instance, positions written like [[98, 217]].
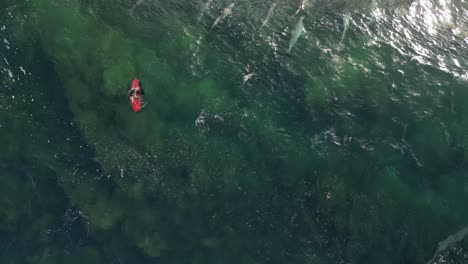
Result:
[[136, 91]]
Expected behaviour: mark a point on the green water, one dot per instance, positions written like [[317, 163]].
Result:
[[351, 148]]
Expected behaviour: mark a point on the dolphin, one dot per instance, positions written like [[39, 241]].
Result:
[[346, 25], [269, 14], [297, 32], [226, 12], [139, 2], [302, 6]]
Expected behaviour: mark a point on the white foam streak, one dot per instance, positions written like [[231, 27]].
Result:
[[450, 240]]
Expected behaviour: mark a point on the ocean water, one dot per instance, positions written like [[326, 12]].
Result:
[[351, 147]]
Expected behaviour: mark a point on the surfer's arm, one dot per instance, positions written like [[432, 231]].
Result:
[[133, 94]]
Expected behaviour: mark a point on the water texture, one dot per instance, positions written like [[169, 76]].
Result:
[[289, 131]]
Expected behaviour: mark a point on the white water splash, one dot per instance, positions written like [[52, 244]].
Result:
[[248, 77], [200, 122]]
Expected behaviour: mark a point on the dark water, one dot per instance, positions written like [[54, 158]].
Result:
[[350, 148]]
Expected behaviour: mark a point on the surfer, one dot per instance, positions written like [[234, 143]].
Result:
[[135, 95]]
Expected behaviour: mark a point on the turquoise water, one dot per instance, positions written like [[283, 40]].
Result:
[[349, 148]]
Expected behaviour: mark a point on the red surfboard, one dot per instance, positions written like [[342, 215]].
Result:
[[136, 104]]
